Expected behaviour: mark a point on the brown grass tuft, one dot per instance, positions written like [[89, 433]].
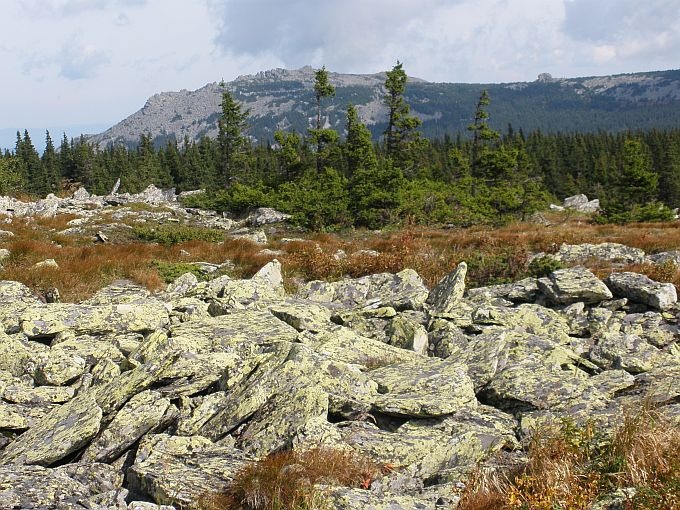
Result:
[[571, 467], [288, 480]]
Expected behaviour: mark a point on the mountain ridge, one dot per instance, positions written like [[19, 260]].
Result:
[[281, 99]]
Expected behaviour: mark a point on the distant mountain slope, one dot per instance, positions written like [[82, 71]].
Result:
[[282, 99]]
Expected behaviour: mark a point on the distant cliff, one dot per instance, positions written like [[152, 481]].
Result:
[[282, 99]]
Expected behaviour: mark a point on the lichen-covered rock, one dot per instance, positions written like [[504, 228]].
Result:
[[522, 291], [21, 394], [651, 327], [242, 331], [450, 289], [359, 499], [641, 289], [191, 373], [425, 451], [627, 352], [610, 252], [424, 388], [407, 333], [182, 285], [566, 286], [61, 432], [142, 413], [112, 395], [402, 291], [287, 372], [60, 368], [120, 292], [343, 344], [276, 424], [22, 416], [303, 316], [69, 487], [265, 216], [529, 318], [15, 299], [51, 319], [173, 470], [15, 354], [445, 339], [581, 203], [535, 384]]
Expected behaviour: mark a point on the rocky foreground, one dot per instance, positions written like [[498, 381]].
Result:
[[133, 400]]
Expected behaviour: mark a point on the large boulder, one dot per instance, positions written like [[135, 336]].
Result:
[[641, 289], [566, 286], [61, 432], [610, 252], [402, 291]]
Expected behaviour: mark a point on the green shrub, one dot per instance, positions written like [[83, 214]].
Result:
[[174, 234], [650, 212], [543, 266], [170, 271], [237, 199]]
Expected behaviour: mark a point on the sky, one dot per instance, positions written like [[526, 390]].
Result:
[[84, 65]]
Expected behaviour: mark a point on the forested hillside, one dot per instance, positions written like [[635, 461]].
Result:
[[332, 178], [283, 100]]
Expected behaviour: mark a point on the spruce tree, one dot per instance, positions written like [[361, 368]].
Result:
[[359, 151], [232, 143], [401, 134], [323, 139], [51, 170], [482, 134]]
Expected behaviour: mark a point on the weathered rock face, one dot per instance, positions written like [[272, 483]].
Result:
[[162, 399]]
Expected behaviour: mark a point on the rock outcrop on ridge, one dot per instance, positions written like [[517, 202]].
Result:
[[132, 400]]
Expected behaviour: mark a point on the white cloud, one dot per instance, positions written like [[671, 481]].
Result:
[[86, 61]]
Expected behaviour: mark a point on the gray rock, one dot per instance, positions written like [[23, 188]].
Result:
[[444, 296], [641, 289], [180, 470], [566, 286], [61, 432], [266, 216], [69, 487], [610, 252], [402, 291], [581, 203]]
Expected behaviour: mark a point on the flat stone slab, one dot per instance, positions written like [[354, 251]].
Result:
[[566, 286]]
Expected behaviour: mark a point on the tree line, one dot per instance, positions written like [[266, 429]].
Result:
[[332, 180]]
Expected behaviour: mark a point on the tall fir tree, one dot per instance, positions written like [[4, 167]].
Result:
[[482, 134], [322, 137], [51, 168], [231, 140], [401, 135]]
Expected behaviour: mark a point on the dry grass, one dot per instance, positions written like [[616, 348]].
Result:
[[493, 255], [289, 480], [571, 467], [86, 266]]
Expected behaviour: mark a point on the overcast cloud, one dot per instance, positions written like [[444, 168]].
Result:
[[76, 62]]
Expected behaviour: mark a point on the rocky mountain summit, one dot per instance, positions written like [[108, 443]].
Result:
[[135, 400], [282, 99]]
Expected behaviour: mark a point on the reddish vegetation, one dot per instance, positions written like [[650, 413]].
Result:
[[493, 255], [289, 479]]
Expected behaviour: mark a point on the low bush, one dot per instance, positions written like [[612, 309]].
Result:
[[543, 266], [174, 234], [170, 271]]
